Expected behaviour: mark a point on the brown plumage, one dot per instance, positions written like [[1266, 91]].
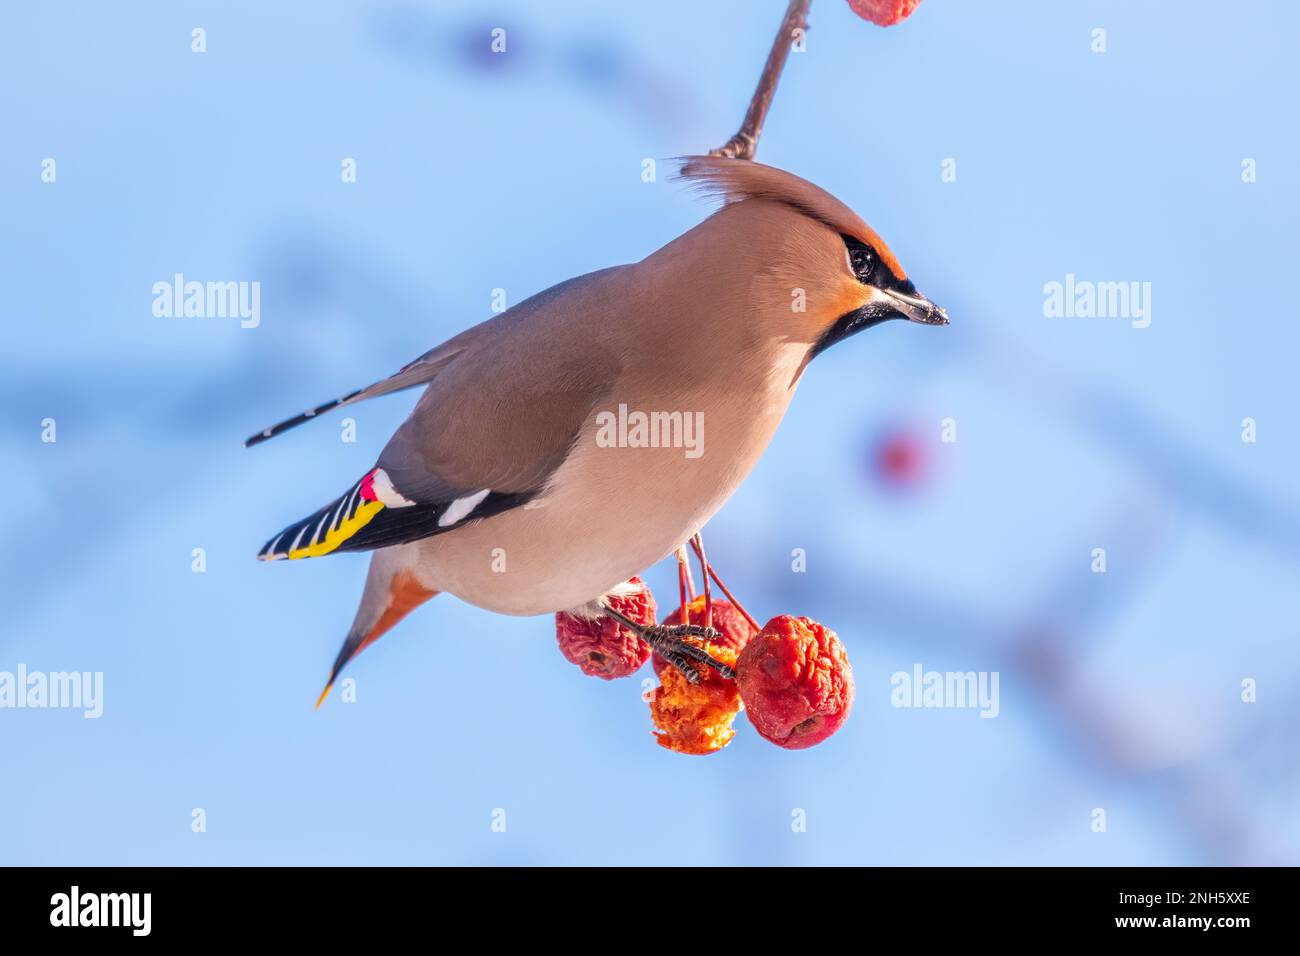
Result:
[[737, 181], [498, 488]]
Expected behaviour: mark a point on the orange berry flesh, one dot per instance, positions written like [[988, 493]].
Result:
[[696, 718]]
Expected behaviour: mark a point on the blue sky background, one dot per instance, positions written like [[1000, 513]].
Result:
[[1119, 691]]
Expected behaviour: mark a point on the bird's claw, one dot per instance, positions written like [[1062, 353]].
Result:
[[671, 644]]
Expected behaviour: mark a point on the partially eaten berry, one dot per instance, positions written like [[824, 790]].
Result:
[[696, 718]]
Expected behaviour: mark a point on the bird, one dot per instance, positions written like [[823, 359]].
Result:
[[498, 488]]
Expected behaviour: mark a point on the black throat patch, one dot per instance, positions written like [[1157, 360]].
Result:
[[851, 323]]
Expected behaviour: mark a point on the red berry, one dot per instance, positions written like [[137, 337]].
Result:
[[602, 647], [900, 460], [696, 718], [884, 13], [727, 621], [795, 681]]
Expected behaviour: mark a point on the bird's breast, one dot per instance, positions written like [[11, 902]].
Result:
[[649, 468]]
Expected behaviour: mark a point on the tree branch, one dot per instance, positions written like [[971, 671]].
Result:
[[745, 142]]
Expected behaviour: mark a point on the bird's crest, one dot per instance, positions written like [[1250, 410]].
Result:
[[735, 180]]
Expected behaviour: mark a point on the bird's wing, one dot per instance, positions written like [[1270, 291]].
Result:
[[372, 514], [494, 424]]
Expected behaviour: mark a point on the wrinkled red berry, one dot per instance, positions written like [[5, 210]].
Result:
[[884, 13], [734, 629], [602, 647], [795, 680]]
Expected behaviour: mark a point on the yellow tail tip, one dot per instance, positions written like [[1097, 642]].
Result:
[[323, 694]]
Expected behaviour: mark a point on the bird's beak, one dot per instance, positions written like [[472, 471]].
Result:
[[902, 302], [915, 307]]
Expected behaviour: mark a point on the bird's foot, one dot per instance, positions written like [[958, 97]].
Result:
[[670, 642]]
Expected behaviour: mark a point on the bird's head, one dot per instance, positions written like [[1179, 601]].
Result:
[[817, 271]]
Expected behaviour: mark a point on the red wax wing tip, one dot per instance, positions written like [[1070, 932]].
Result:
[[796, 683], [735, 631], [884, 13], [368, 487], [601, 646]]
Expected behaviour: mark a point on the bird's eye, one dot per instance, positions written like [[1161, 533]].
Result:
[[861, 258], [862, 262]]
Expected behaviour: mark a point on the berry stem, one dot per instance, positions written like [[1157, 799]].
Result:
[[697, 543], [685, 587], [727, 591]]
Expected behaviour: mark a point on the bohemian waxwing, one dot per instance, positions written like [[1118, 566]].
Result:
[[499, 488]]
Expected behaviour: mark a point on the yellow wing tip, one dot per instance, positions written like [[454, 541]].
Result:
[[323, 694], [328, 539]]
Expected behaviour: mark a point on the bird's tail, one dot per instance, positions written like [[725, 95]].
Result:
[[393, 590]]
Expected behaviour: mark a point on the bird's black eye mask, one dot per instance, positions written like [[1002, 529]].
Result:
[[866, 265]]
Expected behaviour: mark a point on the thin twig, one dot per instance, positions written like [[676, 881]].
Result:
[[745, 142], [731, 597]]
